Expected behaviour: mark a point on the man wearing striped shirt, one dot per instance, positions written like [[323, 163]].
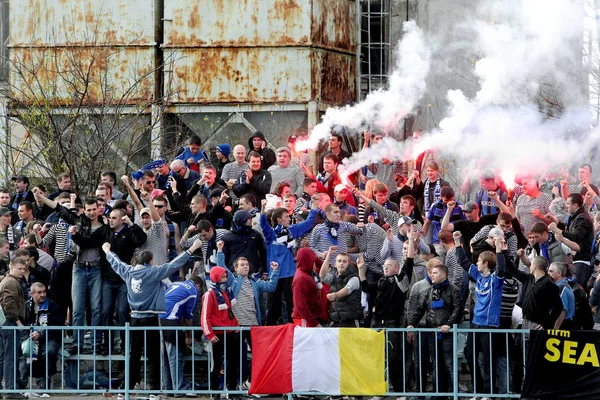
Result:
[[333, 232], [209, 237]]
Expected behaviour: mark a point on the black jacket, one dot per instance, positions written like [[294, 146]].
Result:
[[245, 244], [259, 185], [392, 293], [123, 244], [581, 231], [449, 314], [267, 156], [48, 315]]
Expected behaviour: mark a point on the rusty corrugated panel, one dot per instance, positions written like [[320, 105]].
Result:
[[55, 43], [81, 22], [333, 25], [244, 75], [261, 23], [106, 75], [333, 77], [260, 75], [237, 23]]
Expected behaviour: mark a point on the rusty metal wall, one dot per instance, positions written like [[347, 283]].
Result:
[[260, 51], [260, 75], [58, 47]]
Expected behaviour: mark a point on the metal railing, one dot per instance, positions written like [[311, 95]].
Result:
[[419, 362]]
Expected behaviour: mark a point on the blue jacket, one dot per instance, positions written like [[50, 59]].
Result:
[[186, 153], [488, 294], [145, 291], [258, 286], [279, 252]]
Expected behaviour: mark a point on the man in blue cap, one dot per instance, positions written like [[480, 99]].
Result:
[[223, 152]]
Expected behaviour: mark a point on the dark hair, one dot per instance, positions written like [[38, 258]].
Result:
[[62, 176], [249, 199], [575, 198], [204, 226], [91, 200], [277, 213], [338, 136], [112, 174], [353, 219], [541, 263], [120, 205], [195, 140], [42, 188], [539, 227], [254, 154], [29, 238], [27, 205], [33, 252], [209, 166], [332, 157], [447, 192], [4, 190], [144, 257], [22, 252], [148, 173], [279, 188], [63, 195], [587, 165], [504, 216], [410, 199], [308, 181]]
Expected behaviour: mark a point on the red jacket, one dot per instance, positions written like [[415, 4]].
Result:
[[307, 301], [211, 314]]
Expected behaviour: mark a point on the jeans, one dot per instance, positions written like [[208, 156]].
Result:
[[114, 293], [11, 348], [497, 353], [440, 348], [583, 272], [38, 367], [171, 352], [86, 279]]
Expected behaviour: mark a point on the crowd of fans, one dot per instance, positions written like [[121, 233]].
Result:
[[254, 237]]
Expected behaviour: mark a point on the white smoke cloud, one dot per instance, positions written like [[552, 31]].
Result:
[[528, 66], [384, 109]]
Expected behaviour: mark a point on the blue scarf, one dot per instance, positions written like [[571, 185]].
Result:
[[218, 289], [436, 193], [544, 247], [18, 198], [436, 295]]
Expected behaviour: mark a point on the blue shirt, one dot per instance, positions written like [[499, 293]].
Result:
[[436, 214], [567, 297], [180, 301], [488, 293]]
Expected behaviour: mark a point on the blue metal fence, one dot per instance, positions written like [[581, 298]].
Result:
[[481, 361]]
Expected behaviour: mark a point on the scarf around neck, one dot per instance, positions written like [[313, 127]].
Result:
[[436, 193], [220, 288], [333, 230]]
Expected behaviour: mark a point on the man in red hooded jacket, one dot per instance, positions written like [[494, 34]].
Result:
[[307, 301], [217, 310]]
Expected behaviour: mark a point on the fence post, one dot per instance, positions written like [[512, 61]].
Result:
[[126, 353], [455, 360]]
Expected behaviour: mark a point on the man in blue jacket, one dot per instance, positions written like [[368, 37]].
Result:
[[489, 274], [281, 248], [146, 297]]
